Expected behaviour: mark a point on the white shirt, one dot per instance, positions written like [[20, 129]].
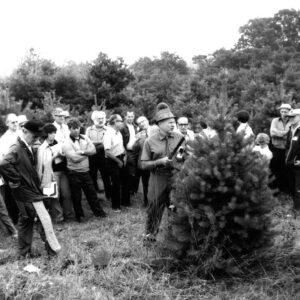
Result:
[[6, 140], [265, 152], [246, 130], [113, 142], [62, 132], [131, 136]]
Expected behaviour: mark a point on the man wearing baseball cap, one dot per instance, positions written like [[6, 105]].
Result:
[[279, 132], [18, 167]]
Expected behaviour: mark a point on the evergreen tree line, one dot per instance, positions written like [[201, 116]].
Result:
[[258, 73]]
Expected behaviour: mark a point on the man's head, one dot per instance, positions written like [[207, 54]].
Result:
[[12, 122], [183, 124], [50, 131], [164, 118], [243, 116], [74, 126], [99, 118], [284, 109], [116, 122], [59, 116], [66, 115], [167, 125], [31, 131], [129, 117], [294, 116], [142, 122]]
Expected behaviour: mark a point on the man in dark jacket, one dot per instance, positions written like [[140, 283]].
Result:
[[293, 155], [18, 168], [128, 132]]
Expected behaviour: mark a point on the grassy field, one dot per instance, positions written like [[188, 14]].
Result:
[[133, 272]]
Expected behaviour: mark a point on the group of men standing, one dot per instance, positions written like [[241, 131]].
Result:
[[123, 151]]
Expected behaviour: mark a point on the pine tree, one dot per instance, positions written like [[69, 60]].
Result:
[[222, 198]]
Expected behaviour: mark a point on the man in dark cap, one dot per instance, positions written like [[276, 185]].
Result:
[[18, 167], [156, 159]]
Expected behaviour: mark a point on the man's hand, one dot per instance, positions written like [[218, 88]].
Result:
[[297, 163], [120, 164], [165, 161]]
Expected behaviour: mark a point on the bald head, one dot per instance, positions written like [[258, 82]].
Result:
[[142, 122], [12, 122]]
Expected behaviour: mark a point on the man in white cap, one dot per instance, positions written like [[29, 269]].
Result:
[[62, 134], [293, 155], [279, 132], [63, 131]]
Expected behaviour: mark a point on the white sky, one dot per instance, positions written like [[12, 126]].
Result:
[[64, 30]]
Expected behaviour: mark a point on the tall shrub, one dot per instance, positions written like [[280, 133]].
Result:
[[222, 198]]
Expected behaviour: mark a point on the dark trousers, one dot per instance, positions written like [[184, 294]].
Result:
[[279, 170], [11, 205], [25, 230], [83, 180], [98, 162], [159, 198], [145, 175], [4, 217], [120, 193], [134, 175]]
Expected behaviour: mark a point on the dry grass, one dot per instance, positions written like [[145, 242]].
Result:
[[131, 273]]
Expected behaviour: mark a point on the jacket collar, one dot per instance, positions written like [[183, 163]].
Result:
[[73, 139], [163, 136]]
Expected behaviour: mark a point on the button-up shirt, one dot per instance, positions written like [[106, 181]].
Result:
[[158, 145], [113, 142], [96, 134], [278, 132]]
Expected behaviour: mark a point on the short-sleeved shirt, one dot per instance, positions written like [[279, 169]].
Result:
[[156, 146], [113, 142], [95, 134]]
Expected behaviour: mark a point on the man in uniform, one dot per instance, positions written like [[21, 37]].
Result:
[[155, 158]]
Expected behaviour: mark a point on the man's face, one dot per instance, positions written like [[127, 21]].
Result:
[[143, 124], [12, 124], [129, 117], [183, 125], [284, 112], [30, 137], [75, 131], [51, 137], [59, 119], [99, 121], [119, 123], [167, 126]]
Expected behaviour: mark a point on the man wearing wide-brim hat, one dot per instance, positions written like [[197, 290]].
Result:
[[279, 132], [18, 167], [155, 158], [293, 155]]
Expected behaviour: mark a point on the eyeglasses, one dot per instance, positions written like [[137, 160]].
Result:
[[183, 124]]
